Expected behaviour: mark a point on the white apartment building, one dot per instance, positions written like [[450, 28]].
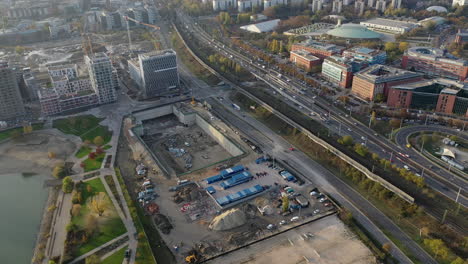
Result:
[[102, 81], [459, 2]]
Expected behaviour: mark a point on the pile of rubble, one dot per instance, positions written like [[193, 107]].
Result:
[[186, 194], [163, 224]]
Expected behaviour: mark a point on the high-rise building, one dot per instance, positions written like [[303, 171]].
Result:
[[459, 2], [337, 6], [359, 7], [156, 73], [11, 103], [100, 73], [317, 5], [435, 62], [381, 5], [396, 4]]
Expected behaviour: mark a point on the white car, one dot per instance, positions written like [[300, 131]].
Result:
[[283, 222], [270, 226], [322, 200], [295, 219], [316, 211]]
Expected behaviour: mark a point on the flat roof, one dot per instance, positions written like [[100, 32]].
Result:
[[156, 53], [391, 23], [320, 45], [305, 54], [383, 73], [435, 54]]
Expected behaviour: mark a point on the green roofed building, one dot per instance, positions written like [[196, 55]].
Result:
[[353, 31]]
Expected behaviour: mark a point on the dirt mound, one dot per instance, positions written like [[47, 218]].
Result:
[[228, 220], [163, 223]]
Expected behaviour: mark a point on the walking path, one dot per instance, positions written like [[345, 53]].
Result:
[[84, 256], [110, 253]]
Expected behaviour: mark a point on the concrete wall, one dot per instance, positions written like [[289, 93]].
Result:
[[226, 143], [185, 118], [152, 113]]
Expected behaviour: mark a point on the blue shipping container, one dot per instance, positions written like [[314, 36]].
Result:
[[213, 179], [227, 173], [210, 189]]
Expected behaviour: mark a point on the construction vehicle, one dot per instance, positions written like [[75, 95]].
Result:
[[192, 256]]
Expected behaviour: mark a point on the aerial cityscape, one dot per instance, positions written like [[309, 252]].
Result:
[[234, 131]]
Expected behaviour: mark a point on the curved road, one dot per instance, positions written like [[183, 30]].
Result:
[[460, 183]]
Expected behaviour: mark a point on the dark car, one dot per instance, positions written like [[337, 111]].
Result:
[[128, 253]]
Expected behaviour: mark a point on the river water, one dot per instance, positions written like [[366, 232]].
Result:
[[22, 200]]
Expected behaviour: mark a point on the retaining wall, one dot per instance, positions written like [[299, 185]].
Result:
[[226, 143]]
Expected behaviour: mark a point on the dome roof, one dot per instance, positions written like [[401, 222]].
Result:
[[353, 31], [437, 9]]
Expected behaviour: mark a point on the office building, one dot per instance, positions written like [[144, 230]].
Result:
[[340, 70], [304, 59], [156, 73], [389, 25], [435, 62], [247, 5], [317, 5], [439, 95], [318, 49], [337, 6], [11, 103], [377, 79], [272, 3], [359, 7], [100, 73], [381, 5], [222, 5], [371, 3], [459, 2], [372, 56], [396, 4]]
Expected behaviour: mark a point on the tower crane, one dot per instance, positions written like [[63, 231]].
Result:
[[127, 19]]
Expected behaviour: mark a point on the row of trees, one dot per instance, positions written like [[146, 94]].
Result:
[[225, 64]]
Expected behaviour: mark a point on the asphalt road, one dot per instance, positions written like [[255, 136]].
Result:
[[361, 209], [339, 122]]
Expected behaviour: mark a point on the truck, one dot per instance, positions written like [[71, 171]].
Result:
[[236, 107]]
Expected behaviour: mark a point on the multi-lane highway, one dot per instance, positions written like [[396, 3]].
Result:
[[338, 122]]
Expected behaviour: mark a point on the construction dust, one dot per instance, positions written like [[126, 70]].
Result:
[[228, 220]]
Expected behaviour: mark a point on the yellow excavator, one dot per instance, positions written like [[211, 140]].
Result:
[[192, 256]]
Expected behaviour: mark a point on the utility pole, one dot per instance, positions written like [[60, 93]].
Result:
[[391, 156], [401, 122], [422, 146], [458, 194], [370, 121], [425, 123], [339, 130], [443, 217]]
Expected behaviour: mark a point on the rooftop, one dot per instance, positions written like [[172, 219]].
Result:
[[353, 31], [156, 53], [435, 54], [437, 9], [383, 73], [456, 86], [391, 23], [262, 27], [350, 63], [320, 45], [305, 54], [364, 51]]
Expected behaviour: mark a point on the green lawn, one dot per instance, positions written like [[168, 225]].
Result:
[[106, 147], [83, 152], [116, 258], [86, 127], [109, 227], [7, 133], [94, 164]]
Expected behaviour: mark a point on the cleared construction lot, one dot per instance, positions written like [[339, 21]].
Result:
[[329, 242]]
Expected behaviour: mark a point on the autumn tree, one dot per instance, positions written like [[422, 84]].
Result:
[[395, 122], [99, 203], [387, 247], [91, 224], [403, 46], [67, 184], [361, 150], [346, 140], [98, 141], [285, 203], [92, 155], [93, 259], [51, 155], [76, 209], [59, 170], [458, 260], [438, 247]]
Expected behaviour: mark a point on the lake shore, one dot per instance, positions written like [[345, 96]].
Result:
[[28, 155]]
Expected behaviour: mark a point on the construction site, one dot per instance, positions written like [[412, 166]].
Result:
[[231, 200]]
